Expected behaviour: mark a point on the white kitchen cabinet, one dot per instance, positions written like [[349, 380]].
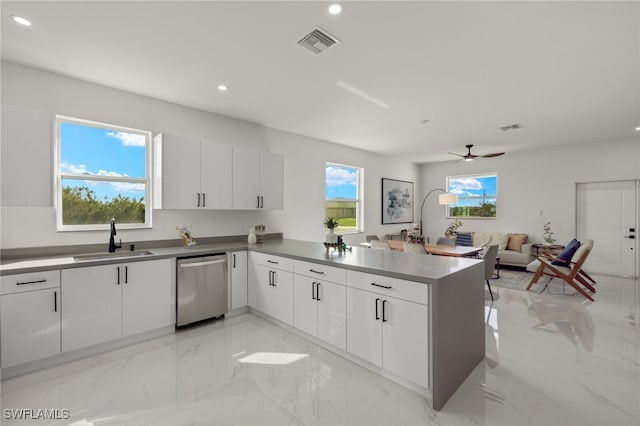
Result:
[[257, 180], [271, 286], [319, 309], [25, 172], [191, 174], [146, 296], [389, 332], [29, 325], [103, 303], [238, 289], [91, 306]]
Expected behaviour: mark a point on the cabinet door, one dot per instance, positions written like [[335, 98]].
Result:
[[271, 181], [332, 314], [246, 187], [91, 306], [283, 296], [260, 290], [30, 326], [215, 175], [238, 282], [178, 172], [405, 336], [305, 308], [364, 331], [146, 296]]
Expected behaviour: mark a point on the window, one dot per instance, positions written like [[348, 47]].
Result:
[[102, 172], [477, 196], [344, 196]]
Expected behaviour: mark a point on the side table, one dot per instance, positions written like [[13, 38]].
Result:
[[550, 248]]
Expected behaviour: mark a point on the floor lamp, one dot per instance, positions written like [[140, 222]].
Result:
[[443, 199]]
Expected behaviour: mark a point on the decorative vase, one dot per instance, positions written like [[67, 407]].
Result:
[[251, 239], [332, 238]]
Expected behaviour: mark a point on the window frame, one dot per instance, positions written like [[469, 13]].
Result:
[[59, 176], [491, 196], [359, 196]]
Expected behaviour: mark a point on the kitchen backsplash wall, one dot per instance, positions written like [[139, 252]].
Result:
[[304, 158]]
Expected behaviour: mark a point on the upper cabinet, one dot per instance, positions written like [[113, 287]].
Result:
[[26, 157], [257, 180], [191, 174]]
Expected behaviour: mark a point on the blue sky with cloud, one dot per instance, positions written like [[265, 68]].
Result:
[[341, 182], [469, 186]]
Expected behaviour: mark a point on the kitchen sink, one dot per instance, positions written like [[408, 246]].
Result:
[[107, 256]]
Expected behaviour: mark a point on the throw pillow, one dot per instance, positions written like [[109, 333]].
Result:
[[500, 239], [565, 256], [516, 241], [464, 239], [481, 239]]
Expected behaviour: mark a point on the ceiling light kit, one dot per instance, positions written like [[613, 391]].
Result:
[[335, 9], [21, 20], [222, 88], [470, 157], [638, 129]]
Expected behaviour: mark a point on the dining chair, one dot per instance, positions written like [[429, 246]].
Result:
[[380, 245], [446, 241], [414, 248], [489, 264], [370, 238]]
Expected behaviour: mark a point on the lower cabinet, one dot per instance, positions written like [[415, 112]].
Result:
[[103, 303], [271, 286], [238, 290], [30, 326], [389, 332], [319, 309]]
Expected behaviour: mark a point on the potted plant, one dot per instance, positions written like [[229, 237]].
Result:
[[331, 224], [452, 228], [547, 234]]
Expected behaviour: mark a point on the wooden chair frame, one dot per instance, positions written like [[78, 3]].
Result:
[[575, 278]]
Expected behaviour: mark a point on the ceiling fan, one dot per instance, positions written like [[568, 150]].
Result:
[[470, 157]]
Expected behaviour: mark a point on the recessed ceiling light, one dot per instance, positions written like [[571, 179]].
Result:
[[638, 129], [21, 20], [222, 88], [335, 9]]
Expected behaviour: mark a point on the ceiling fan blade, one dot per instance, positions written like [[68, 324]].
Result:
[[459, 155], [494, 154]]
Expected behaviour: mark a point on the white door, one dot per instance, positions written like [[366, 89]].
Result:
[[215, 175], [91, 306], [606, 213], [246, 185], [404, 337], [271, 181], [332, 313], [364, 325], [180, 172], [146, 297], [283, 296], [238, 282], [30, 326], [305, 308]]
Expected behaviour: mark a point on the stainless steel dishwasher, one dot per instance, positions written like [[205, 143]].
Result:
[[201, 288]]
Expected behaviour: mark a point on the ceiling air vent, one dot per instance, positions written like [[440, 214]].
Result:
[[510, 127], [317, 41]]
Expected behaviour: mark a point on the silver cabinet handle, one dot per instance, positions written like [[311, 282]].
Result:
[[382, 286]]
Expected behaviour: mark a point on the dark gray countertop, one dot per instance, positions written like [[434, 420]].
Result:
[[422, 268]]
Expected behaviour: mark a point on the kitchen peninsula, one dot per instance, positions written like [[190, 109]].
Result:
[[416, 319]]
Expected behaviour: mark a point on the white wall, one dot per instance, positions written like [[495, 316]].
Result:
[[304, 160], [533, 181]]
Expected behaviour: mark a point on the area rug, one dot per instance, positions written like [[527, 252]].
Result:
[[517, 280]]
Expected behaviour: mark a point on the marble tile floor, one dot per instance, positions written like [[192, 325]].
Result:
[[552, 359]]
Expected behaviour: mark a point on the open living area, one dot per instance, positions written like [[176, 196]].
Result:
[[322, 213]]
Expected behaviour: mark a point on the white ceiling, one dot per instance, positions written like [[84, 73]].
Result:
[[568, 72]]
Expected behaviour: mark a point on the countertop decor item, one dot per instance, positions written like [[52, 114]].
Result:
[[185, 236], [259, 231], [331, 224], [547, 234]]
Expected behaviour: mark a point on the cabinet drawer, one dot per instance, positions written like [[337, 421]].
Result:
[[275, 262], [402, 289], [30, 281], [322, 272]]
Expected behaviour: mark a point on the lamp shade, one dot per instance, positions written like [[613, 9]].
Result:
[[447, 198]]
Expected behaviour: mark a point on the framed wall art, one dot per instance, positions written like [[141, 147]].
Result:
[[397, 201]]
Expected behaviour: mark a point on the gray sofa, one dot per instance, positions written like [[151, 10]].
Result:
[[513, 249]]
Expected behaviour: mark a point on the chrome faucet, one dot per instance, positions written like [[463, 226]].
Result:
[[112, 243]]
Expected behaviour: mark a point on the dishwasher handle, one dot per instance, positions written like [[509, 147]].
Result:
[[205, 263]]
